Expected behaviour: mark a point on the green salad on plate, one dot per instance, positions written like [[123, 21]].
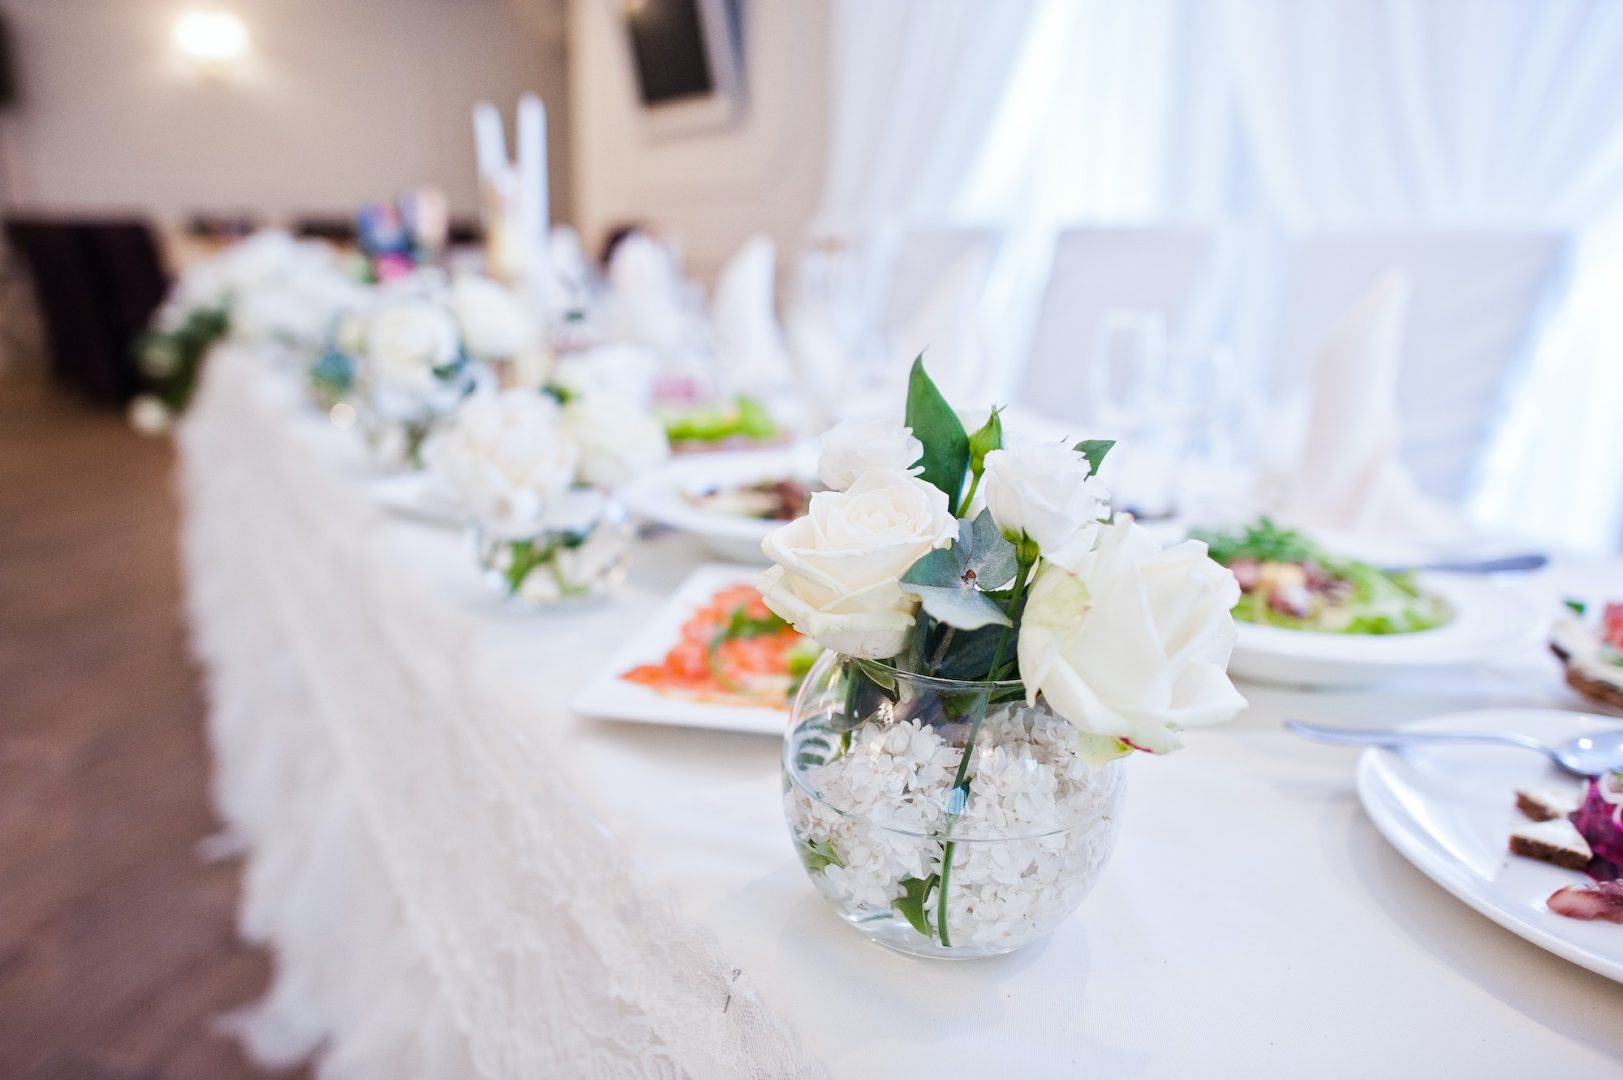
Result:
[[1288, 580]]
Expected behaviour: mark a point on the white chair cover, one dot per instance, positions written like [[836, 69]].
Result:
[[1476, 297], [934, 303], [1096, 269]]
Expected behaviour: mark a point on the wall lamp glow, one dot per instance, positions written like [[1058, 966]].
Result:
[[212, 40]]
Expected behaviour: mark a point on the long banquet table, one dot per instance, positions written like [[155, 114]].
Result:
[[461, 878]]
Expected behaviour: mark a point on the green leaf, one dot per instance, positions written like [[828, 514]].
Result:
[[527, 556], [1094, 450], [946, 446], [987, 552], [876, 674], [964, 608], [911, 902], [949, 581], [1578, 607], [969, 655], [819, 856]]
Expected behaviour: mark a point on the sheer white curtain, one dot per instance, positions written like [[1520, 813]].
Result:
[[1115, 113], [1272, 116], [917, 84], [1465, 113]]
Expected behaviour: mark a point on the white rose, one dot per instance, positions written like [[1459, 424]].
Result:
[[405, 342], [1045, 492], [839, 568], [617, 439], [510, 464], [407, 345], [1134, 644], [493, 320], [853, 447]]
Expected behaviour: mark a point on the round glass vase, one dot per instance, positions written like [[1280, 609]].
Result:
[[395, 444], [558, 566], [889, 819]]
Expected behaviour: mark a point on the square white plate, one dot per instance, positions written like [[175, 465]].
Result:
[[1450, 809], [608, 697]]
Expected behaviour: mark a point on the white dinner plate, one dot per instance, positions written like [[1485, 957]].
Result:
[[1450, 809], [1488, 621], [609, 697], [661, 496], [418, 496]]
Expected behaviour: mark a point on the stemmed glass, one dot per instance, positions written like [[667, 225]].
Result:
[[1126, 391]]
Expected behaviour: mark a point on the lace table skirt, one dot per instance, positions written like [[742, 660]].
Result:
[[439, 901]]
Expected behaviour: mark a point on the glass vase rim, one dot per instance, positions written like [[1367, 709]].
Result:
[[938, 680]]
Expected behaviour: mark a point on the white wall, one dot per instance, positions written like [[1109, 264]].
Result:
[[339, 101], [713, 189]]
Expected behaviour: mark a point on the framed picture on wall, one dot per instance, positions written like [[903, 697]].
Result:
[[687, 59]]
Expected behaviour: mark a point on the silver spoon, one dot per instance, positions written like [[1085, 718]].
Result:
[[1583, 755]]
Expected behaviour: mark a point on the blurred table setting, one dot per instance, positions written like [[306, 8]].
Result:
[[427, 729]]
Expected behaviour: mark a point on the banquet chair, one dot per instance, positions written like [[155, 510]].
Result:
[[1097, 269], [1476, 304], [933, 281]]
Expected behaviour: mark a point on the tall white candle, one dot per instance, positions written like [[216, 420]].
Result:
[[533, 209]]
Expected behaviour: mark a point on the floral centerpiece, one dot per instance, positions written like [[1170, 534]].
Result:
[[269, 288], [419, 348], [533, 470], [996, 645]]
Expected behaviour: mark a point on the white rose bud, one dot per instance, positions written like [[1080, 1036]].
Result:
[[853, 447], [492, 318], [1045, 493], [839, 568], [1134, 644], [617, 439]]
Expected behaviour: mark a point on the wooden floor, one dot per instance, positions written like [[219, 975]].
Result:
[[116, 942]]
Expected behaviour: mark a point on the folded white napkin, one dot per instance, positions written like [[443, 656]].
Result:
[[646, 295], [749, 343], [1346, 473]]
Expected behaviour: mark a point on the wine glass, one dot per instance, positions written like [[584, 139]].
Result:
[[1126, 378]]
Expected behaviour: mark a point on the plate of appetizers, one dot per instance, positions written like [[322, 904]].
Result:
[[713, 656], [730, 499], [1312, 616], [1588, 640], [1523, 843]]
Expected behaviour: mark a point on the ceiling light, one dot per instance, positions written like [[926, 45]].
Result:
[[211, 39]]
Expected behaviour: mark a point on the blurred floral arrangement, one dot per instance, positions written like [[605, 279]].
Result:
[[532, 470], [418, 345], [269, 289]]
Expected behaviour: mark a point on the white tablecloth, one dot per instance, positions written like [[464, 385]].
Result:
[[461, 878]]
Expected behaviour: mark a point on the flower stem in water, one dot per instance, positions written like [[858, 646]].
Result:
[[958, 797]]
